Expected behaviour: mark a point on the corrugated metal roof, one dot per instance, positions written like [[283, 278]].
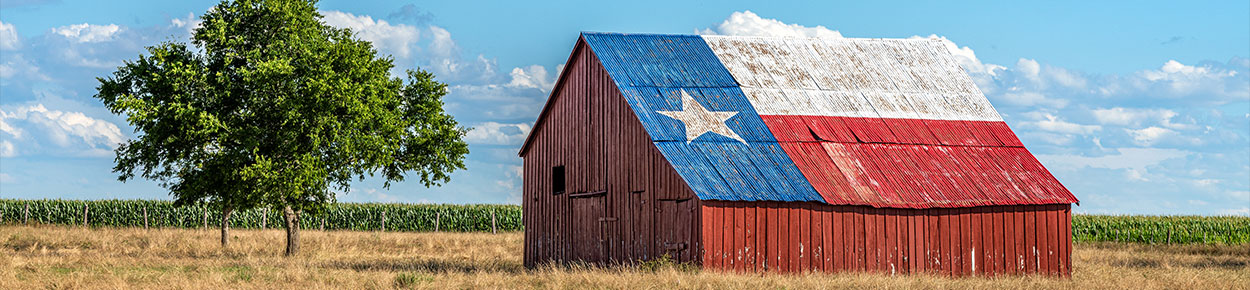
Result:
[[879, 122]]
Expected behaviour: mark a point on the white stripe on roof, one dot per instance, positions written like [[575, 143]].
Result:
[[849, 77]]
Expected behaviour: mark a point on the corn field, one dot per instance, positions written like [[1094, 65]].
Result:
[[339, 216], [1226, 230]]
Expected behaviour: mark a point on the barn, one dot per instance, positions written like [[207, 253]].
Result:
[[760, 154]]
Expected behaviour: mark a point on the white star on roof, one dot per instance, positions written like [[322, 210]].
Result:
[[699, 120]]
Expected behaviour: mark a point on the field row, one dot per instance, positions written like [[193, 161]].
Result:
[[484, 218], [340, 216]]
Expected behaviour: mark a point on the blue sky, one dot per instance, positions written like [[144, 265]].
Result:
[[1137, 107]]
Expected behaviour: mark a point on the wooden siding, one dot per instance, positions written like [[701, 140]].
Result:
[[623, 202], [805, 236]]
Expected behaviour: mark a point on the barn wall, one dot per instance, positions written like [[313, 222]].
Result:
[[623, 202], [978, 241]]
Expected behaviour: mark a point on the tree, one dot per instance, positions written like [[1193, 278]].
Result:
[[276, 109]]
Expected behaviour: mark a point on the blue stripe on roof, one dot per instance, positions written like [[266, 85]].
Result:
[[652, 71]]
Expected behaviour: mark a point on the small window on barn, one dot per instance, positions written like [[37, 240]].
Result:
[[557, 180]]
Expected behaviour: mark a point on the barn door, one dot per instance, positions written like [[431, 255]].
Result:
[[590, 240], [674, 228]]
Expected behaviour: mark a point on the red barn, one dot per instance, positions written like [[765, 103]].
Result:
[[784, 154]]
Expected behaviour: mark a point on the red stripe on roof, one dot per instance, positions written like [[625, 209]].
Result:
[[920, 173]]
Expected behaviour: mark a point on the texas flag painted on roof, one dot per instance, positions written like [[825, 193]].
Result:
[[878, 122]]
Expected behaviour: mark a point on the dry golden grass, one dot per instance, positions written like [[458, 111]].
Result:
[[67, 257]]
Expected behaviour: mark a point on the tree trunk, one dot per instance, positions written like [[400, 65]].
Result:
[[225, 227], [292, 230]]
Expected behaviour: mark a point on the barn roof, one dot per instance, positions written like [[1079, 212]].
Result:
[[877, 122]]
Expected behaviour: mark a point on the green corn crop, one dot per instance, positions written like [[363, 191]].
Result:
[[340, 216], [1228, 230]]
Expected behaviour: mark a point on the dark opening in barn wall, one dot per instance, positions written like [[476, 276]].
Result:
[[557, 179]]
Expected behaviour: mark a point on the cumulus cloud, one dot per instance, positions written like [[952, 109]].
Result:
[[1051, 123], [1125, 158], [1180, 79], [396, 39], [493, 133], [8, 37], [63, 129], [1135, 116], [534, 76], [747, 23], [7, 149], [88, 32], [18, 67], [188, 24], [1150, 135]]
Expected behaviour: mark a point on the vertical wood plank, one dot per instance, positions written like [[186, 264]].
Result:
[[805, 237], [891, 241], [739, 234], [749, 238], [774, 238]]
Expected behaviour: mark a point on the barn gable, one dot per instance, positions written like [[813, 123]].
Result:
[[884, 123], [617, 198]]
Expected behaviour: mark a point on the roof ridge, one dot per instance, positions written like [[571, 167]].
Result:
[[762, 36]]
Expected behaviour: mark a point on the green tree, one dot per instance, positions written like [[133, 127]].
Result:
[[273, 108]]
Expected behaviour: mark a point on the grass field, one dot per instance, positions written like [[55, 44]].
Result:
[[75, 257]]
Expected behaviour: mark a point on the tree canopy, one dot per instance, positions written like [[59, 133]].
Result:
[[272, 107]]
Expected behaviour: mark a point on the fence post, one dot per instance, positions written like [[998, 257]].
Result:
[[205, 218], [323, 224], [383, 220], [145, 217], [437, 215], [493, 230], [26, 215], [85, 206], [264, 218]]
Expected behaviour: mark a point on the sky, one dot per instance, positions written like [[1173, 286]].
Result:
[[1138, 107]]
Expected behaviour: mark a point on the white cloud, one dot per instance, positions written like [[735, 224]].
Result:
[[1051, 123], [87, 33], [1136, 174], [534, 76], [1135, 117], [1149, 135], [8, 37], [1127, 158], [747, 23], [395, 39], [1180, 79], [17, 66], [9, 129], [64, 129], [1032, 98], [189, 24], [494, 133], [441, 44], [7, 149]]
